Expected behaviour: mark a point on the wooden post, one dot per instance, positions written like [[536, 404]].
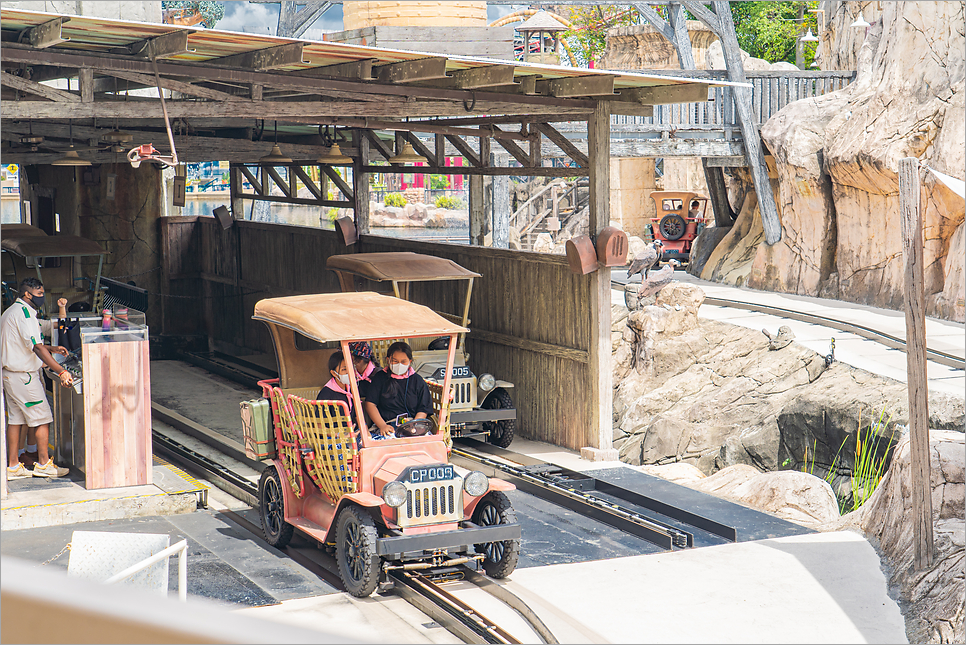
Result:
[[600, 393], [718, 193], [477, 214], [501, 205], [915, 302], [235, 189], [360, 188]]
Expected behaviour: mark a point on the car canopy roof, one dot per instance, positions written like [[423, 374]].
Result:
[[20, 230], [56, 246], [353, 316], [399, 266]]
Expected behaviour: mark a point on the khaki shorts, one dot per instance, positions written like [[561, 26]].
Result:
[[26, 399]]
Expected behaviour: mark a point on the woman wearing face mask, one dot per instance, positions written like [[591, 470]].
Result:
[[364, 365], [397, 392], [338, 388]]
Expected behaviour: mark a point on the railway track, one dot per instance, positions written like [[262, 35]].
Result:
[[890, 341], [426, 592]]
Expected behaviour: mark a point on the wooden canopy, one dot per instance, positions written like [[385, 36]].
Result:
[[57, 246], [399, 267], [329, 317]]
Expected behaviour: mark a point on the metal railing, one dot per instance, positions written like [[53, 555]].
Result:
[[181, 548]]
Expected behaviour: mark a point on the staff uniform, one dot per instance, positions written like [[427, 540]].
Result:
[[364, 381], [23, 385], [392, 396], [333, 391]]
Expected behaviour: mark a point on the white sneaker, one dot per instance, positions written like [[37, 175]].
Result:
[[17, 472], [49, 470]]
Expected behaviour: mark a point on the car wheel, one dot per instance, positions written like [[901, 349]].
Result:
[[500, 558], [355, 551], [500, 432], [672, 227], [271, 509]]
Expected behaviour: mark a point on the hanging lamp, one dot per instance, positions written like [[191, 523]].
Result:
[[275, 157], [809, 37], [70, 158], [334, 157], [860, 22], [407, 156]]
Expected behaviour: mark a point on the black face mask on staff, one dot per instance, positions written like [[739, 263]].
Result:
[[36, 301]]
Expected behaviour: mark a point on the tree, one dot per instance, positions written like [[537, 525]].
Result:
[[587, 37], [769, 30]]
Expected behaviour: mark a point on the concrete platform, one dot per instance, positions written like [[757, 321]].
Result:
[[852, 349], [818, 588], [38, 502]]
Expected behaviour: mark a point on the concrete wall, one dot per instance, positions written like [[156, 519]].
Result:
[[356, 15], [632, 180], [643, 47]]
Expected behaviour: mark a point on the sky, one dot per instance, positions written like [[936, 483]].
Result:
[[257, 18]]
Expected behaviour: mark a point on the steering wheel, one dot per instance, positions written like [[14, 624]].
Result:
[[414, 428]]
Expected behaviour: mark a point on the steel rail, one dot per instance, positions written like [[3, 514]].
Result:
[[881, 337], [456, 616]]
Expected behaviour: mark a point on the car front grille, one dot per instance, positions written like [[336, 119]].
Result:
[[464, 394], [434, 503]]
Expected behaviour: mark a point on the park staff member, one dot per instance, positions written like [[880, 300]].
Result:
[[21, 343]]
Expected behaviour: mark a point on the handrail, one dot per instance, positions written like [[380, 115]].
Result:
[[515, 215], [181, 548]]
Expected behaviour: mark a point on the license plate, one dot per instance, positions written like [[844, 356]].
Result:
[[427, 474], [459, 371]]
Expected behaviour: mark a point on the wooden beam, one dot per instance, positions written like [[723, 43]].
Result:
[[85, 81], [536, 150], [409, 71], [518, 153], [500, 203], [681, 39], [440, 142], [170, 44], [420, 147], [12, 53], [702, 13], [360, 181], [264, 59], [726, 162], [307, 182], [286, 188], [654, 19], [557, 351], [256, 185], [599, 391], [476, 210], [477, 77], [577, 86], [358, 69], [47, 34], [381, 147], [563, 143], [413, 126], [668, 94], [488, 171], [337, 179], [177, 86], [38, 89], [304, 201], [718, 193], [468, 153], [916, 375]]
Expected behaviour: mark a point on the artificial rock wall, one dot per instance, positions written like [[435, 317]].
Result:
[[837, 159]]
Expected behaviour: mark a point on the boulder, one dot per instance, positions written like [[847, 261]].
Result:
[[935, 595], [635, 246], [543, 243], [679, 473]]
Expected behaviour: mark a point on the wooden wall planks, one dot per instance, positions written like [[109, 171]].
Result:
[[117, 414], [532, 298]]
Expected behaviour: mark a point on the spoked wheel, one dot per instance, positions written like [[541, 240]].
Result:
[[500, 432], [356, 551], [271, 509], [500, 557], [672, 227]]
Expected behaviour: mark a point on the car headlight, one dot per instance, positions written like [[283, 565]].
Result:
[[476, 484], [487, 382], [395, 494]]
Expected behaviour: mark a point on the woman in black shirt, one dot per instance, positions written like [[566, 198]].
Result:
[[397, 392]]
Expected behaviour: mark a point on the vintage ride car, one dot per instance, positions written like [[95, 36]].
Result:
[[676, 224], [378, 504], [482, 405]]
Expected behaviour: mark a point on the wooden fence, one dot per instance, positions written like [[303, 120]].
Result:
[[528, 317]]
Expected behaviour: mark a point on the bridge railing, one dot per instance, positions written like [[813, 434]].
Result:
[[771, 91]]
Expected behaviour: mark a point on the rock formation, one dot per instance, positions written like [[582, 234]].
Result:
[[837, 158]]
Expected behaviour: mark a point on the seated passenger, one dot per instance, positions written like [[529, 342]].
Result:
[[337, 389], [364, 365], [397, 395]]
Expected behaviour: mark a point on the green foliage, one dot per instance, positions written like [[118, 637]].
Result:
[[211, 12], [871, 453], [587, 37], [445, 201], [333, 214], [394, 199], [769, 30], [438, 182]]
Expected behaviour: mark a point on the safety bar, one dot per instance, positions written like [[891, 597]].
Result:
[[181, 548]]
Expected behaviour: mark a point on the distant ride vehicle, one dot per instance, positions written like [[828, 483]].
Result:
[[380, 505], [482, 405], [677, 223]]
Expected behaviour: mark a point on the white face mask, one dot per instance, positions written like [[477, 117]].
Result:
[[399, 369], [344, 378]]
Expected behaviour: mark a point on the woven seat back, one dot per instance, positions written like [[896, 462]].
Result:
[[327, 428], [436, 394], [288, 441]]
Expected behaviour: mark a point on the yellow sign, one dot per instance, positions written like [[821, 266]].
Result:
[[223, 165], [12, 168]]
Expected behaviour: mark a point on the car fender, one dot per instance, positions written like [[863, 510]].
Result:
[[495, 484], [367, 501], [482, 395]]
